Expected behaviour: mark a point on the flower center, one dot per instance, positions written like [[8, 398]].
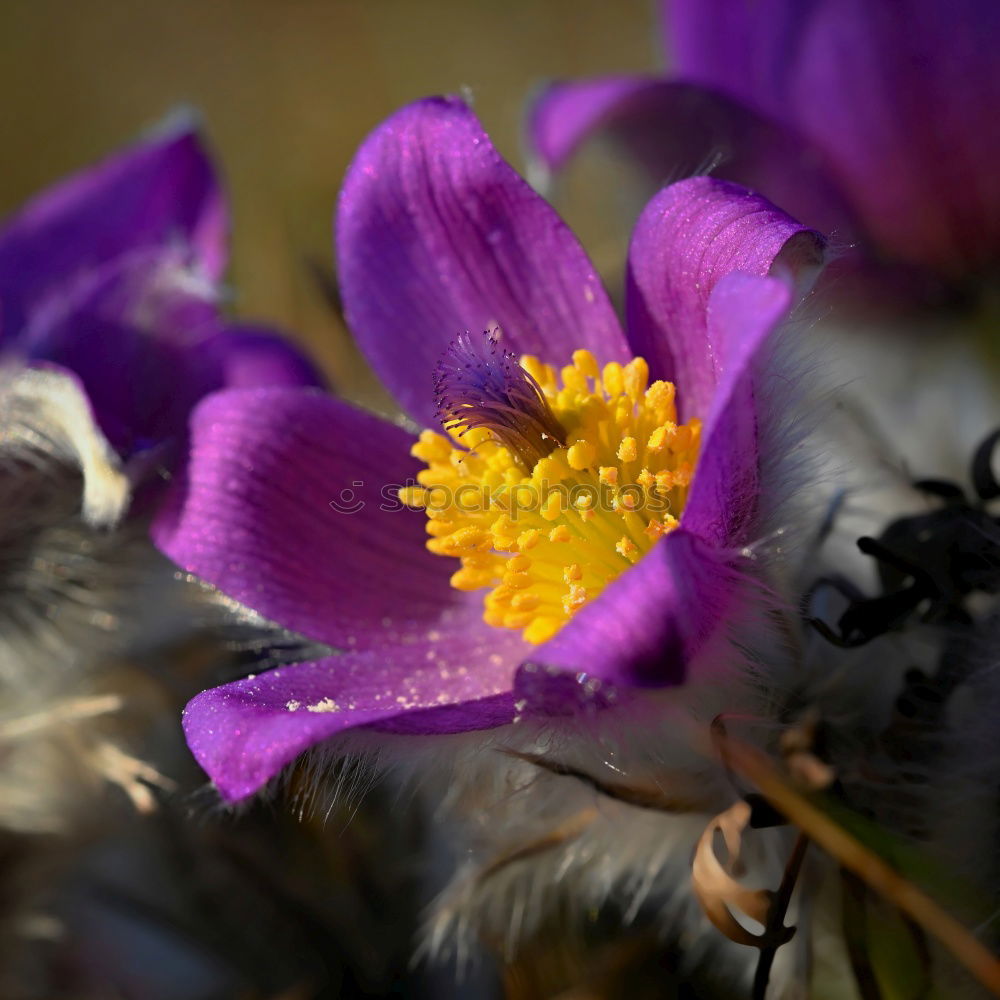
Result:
[[548, 486]]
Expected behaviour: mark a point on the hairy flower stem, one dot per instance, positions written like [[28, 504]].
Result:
[[776, 916]]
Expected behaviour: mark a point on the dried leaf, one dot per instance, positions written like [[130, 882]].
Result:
[[720, 893]]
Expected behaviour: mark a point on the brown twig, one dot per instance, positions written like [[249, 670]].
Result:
[[776, 917]]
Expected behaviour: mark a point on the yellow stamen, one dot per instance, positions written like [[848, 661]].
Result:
[[586, 512]]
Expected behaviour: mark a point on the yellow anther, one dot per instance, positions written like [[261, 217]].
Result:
[[550, 470], [519, 563], [438, 528], [528, 539], [580, 455], [517, 581], [646, 479], [524, 602], [458, 543], [572, 573], [586, 363], [560, 533], [413, 496], [574, 379], [636, 375], [553, 506], [626, 547], [613, 379], [470, 579], [431, 447], [503, 525], [661, 437], [535, 369], [660, 396], [575, 599], [543, 628], [627, 450], [608, 474]]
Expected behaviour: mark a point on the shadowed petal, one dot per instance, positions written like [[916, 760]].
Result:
[[743, 312], [902, 99], [436, 234], [160, 192], [243, 733], [290, 507], [675, 129], [689, 237]]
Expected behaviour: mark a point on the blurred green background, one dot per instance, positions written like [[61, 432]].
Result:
[[287, 90]]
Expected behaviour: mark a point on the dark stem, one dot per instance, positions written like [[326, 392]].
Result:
[[776, 916]]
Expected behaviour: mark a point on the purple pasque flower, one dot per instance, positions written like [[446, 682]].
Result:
[[112, 277], [872, 117], [290, 504]]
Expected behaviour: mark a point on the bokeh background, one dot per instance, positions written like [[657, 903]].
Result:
[[287, 89]]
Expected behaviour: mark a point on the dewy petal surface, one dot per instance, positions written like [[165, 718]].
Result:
[[158, 192], [676, 129], [901, 97], [688, 238], [243, 733], [437, 234], [290, 507]]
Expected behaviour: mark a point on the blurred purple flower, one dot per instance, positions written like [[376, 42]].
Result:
[[112, 277], [436, 234], [110, 332], [872, 118]]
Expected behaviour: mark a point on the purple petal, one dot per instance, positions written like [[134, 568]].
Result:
[[566, 113], [689, 237], [901, 97], [120, 328], [251, 357], [644, 629], [436, 234], [677, 129], [243, 733], [723, 504], [290, 507], [160, 192]]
